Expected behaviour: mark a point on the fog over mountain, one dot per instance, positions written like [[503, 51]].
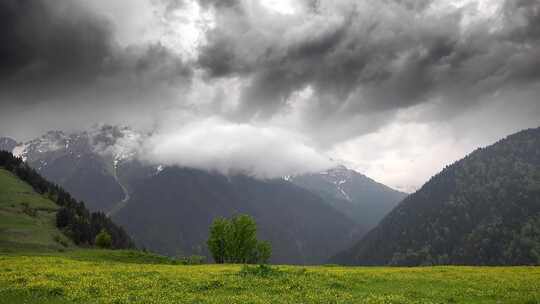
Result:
[[395, 89]]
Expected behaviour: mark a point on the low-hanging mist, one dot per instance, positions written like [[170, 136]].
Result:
[[231, 148]]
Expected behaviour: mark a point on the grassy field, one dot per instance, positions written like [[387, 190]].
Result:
[[26, 218], [95, 276]]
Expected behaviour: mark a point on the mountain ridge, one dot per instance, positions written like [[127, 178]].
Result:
[[482, 210], [357, 196]]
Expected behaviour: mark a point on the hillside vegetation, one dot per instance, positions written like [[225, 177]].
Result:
[[27, 219], [33, 209], [83, 279], [482, 210]]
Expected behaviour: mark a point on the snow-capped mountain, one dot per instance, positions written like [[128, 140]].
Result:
[[85, 163], [118, 143], [354, 194], [341, 178]]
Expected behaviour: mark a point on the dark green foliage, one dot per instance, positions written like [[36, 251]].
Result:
[[259, 270], [61, 240], [241, 240], [63, 217], [262, 252], [103, 239], [73, 217], [235, 241], [218, 239], [482, 210]]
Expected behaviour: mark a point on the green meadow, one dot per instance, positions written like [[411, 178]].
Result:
[[98, 276]]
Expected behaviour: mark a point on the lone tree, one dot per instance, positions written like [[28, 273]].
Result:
[[103, 239], [235, 241]]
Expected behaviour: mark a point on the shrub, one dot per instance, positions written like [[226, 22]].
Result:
[[60, 240], [103, 239], [259, 270]]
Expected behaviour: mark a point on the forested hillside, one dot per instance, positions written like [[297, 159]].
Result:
[[482, 210], [71, 216]]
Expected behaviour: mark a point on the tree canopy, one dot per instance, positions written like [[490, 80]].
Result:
[[235, 241]]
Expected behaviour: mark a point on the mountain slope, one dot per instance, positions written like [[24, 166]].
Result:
[[27, 219], [80, 163], [30, 205], [357, 196], [171, 211], [482, 210]]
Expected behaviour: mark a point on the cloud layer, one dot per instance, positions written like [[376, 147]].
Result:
[[298, 81], [229, 148], [363, 58], [61, 54]]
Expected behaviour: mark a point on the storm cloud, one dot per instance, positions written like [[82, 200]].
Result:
[[366, 57], [384, 86], [62, 52]]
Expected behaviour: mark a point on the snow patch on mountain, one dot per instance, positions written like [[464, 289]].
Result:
[[121, 143], [339, 176], [21, 151]]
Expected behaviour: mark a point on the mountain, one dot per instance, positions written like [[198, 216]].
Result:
[[481, 210], [358, 197], [170, 212], [81, 163], [38, 215], [7, 144]]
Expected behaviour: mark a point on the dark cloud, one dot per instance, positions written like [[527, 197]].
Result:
[[365, 57], [39, 42], [59, 50], [316, 79], [220, 3]]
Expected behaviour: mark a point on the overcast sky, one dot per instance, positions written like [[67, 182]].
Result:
[[396, 89]]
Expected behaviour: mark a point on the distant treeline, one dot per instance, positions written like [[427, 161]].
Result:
[[73, 218]]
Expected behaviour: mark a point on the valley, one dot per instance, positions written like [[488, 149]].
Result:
[[167, 209]]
